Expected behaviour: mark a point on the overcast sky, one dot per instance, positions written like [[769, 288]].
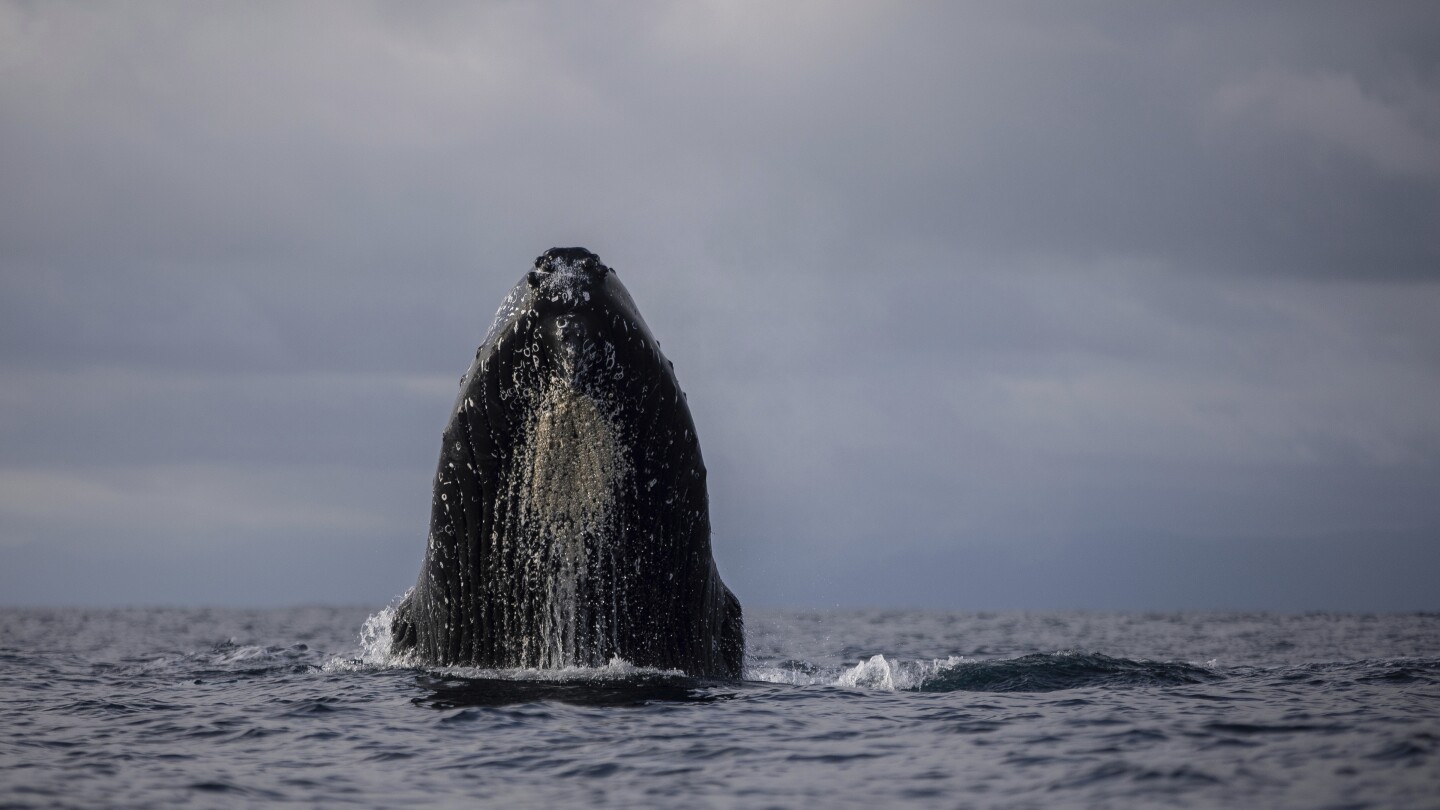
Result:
[[1001, 306]]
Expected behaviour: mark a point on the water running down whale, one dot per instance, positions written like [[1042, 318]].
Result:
[[570, 519]]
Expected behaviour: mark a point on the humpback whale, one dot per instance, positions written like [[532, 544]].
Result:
[[570, 520]]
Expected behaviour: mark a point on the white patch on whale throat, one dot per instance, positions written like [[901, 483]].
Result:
[[567, 489]]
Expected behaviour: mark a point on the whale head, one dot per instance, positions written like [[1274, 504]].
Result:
[[573, 318], [570, 518]]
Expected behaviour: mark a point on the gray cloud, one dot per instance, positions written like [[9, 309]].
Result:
[[1013, 284]]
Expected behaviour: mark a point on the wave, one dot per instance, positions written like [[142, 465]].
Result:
[[1039, 672], [224, 659], [1049, 672]]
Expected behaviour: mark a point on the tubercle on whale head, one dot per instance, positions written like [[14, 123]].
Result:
[[562, 281], [573, 308], [574, 286], [572, 267], [574, 257]]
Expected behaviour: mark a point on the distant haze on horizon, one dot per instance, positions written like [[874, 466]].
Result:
[[978, 306]]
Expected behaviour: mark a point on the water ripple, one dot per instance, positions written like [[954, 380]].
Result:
[[236, 708]]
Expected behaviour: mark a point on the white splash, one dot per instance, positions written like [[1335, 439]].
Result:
[[876, 673], [375, 650], [375, 636]]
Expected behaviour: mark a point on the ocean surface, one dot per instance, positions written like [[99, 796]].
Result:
[[238, 708]]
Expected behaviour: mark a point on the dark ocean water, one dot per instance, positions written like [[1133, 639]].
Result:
[[220, 708]]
